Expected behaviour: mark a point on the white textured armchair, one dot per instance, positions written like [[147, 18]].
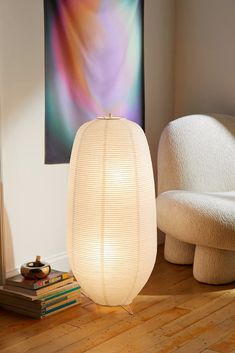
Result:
[[196, 202]]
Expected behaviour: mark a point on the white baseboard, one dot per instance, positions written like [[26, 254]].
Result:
[[12, 273], [58, 261]]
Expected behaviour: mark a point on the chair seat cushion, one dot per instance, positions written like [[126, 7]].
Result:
[[206, 219]]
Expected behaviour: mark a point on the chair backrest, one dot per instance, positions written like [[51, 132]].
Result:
[[197, 152]]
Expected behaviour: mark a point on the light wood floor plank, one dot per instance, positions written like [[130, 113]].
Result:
[[226, 345], [201, 334], [27, 327], [173, 313], [121, 333], [44, 339], [195, 315], [209, 337]]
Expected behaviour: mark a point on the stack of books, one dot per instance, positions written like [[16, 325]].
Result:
[[40, 298]]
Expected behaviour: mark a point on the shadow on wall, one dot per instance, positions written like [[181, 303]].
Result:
[[2, 259], [6, 244], [8, 261], [21, 83], [34, 194]]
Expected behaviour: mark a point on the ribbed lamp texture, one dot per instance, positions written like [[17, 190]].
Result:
[[112, 241]]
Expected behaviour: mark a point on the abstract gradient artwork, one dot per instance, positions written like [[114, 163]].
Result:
[[93, 67]]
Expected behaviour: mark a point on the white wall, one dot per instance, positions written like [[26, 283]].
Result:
[[205, 57], [186, 71], [159, 24], [34, 193]]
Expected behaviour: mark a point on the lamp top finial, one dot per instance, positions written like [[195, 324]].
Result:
[[109, 117]]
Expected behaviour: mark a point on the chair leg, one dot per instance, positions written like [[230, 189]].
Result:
[[178, 252], [214, 266]]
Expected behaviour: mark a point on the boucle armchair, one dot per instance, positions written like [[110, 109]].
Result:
[[196, 195]]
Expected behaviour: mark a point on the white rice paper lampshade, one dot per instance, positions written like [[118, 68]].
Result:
[[112, 241]]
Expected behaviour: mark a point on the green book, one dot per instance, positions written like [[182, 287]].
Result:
[[53, 277], [45, 296], [37, 292], [43, 303], [43, 313]]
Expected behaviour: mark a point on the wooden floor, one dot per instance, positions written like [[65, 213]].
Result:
[[173, 313]]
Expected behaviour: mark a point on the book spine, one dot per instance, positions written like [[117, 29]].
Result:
[[26, 312], [43, 313], [60, 299], [61, 307], [58, 311], [45, 290], [16, 301], [13, 292], [58, 294], [47, 282]]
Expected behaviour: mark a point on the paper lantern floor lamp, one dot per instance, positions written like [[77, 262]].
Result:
[[112, 240]]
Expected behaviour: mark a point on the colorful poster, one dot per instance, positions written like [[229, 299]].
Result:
[[93, 67]]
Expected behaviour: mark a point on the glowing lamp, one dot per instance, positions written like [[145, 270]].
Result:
[[112, 240]]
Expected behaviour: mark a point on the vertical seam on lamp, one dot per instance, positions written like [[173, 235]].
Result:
[[138, 220], [103, 212], [75, 195]]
